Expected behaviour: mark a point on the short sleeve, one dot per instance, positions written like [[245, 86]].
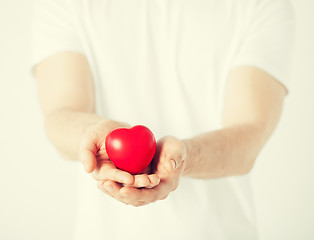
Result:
[[268, 43], [52, 30]]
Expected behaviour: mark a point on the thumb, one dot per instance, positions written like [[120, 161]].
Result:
[[179, 155], [175, 162], [172, 163], [87, 154]]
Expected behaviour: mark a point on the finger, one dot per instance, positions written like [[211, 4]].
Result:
[[161, 158], [87, 157], [108, 171], [169, 164], [154, 180], [102, 154], [164, 166], [113, 189], [141, 180], [144, 180], [172, 153], [87, 153], [173, 160], [180, 155], [100, 183], [102, 166], [108, 188], [143, 194]]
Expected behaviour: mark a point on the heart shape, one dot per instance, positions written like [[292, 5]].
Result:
[[131, 149]]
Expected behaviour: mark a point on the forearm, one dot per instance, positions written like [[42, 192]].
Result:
[[65, 129], [227, 152]]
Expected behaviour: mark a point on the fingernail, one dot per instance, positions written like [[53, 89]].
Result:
[[173, 164]]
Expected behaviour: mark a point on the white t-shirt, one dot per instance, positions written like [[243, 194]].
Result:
[[163, 63]]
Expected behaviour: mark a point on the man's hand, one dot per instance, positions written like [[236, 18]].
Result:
[[168, 164], [93, 155]]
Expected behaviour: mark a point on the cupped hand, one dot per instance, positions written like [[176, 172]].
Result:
[[106, 170], [168, 164], [92, 154]]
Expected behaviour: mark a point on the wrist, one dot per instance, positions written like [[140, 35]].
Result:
[[187, 159]]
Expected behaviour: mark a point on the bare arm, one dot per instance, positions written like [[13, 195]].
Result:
[[65, 90], [252, 108], [66, 95]]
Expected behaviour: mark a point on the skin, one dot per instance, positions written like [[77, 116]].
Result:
[[252, 107]]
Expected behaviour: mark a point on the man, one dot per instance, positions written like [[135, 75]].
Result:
[[207, 77]]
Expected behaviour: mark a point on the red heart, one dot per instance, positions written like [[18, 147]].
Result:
[[131, 149]]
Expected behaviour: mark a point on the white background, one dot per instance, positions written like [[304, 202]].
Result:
[[37, 187]]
